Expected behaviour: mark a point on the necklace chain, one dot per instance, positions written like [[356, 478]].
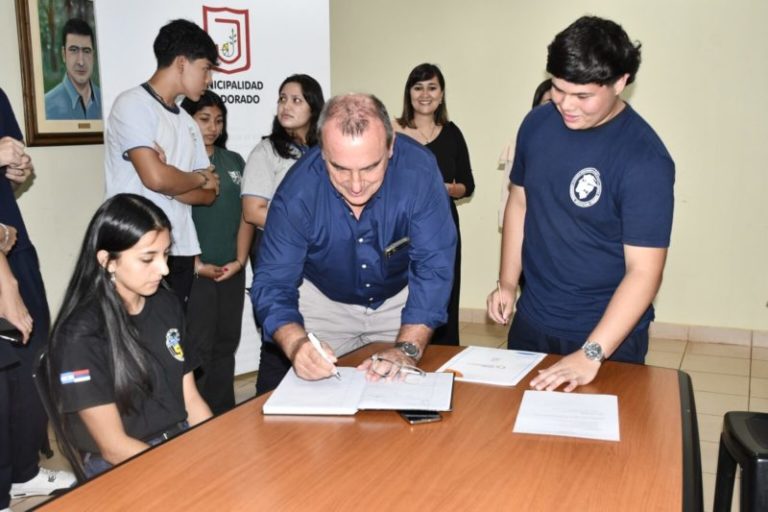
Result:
[[157, 96], [431, 134]]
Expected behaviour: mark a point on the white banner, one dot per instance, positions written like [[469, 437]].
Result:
[[261, 42]]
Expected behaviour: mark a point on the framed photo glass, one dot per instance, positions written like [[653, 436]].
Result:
[[60, 72]]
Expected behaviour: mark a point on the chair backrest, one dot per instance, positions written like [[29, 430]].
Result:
[[42, 383]]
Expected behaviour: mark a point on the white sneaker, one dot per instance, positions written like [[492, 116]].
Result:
[[44, 483]]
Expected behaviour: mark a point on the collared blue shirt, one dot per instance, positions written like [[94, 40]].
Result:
[[311, 233], [64, 102]]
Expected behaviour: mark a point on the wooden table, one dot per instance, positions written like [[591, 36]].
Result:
[[471, 460]]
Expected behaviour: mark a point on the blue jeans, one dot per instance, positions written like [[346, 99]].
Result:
[[525, 336], [94, 463]]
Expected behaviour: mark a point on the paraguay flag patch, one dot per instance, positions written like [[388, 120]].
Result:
[[75, 376]]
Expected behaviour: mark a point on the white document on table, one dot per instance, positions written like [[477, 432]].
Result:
[[345, 396], [569, 414], [494, 366]]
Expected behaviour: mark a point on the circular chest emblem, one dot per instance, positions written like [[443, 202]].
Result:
[[586, 187], [173, 343]]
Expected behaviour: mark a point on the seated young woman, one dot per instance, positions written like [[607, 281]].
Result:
[[119, 376]]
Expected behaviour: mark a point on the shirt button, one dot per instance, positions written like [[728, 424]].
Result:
[[363, 266], [360, 240], [370, 299], [367, 285]]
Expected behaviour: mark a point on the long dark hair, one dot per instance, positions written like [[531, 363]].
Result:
[[209, 99], [313, 95], [420, 73], [543, 88], [115, 227]]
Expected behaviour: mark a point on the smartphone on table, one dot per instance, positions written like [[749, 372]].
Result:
[[416, 417]]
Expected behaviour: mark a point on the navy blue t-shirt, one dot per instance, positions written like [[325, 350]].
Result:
[[9, 210], [10, 214], [588, 193]]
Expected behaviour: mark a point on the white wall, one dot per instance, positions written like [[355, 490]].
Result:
[[700, 86]]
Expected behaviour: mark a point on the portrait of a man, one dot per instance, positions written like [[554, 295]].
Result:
[[76, 96]]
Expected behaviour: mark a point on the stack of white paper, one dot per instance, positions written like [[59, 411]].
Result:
[[569, 414], [492, 365]]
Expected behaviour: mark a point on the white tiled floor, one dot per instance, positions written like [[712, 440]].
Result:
[[725, 378]]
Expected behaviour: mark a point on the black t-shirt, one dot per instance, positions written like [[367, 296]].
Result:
[[83, 367], [452, 156]]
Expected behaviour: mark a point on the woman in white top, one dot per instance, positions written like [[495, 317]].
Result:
[[294, 130]]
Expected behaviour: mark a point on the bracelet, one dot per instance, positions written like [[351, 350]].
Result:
[[197, 269], [7, 235]]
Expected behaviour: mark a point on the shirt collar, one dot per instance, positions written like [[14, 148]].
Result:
[[72, 93]]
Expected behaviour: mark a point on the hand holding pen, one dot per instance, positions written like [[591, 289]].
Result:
[[319, 348], [499, 304]]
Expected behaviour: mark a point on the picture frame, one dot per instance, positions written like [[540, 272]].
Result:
[[46, 65]]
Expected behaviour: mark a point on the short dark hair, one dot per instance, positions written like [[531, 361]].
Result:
[[182, 38], [425, 71], [593, 50], [354, 113], [76, 26], [313, 95], [209, 99]]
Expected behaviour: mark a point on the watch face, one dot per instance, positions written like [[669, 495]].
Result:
[[408, 349], [593, 351]]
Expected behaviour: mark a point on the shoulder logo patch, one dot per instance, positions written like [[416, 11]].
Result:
[[586, 187], [235, 176], [173, 343], [75, 376]]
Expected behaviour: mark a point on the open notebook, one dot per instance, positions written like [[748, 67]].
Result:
[[432, 392]]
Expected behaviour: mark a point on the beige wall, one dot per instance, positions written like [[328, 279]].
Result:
[[69, 183], [493, 54]]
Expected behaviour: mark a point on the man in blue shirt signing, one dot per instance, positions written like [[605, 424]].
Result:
[[358, 247]]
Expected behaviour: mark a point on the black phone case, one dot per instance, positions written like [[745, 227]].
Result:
[[10, 333]]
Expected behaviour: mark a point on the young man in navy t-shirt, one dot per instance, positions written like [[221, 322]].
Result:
[[589, 214]]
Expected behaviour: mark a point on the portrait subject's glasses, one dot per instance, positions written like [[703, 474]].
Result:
[[386, 368], [74, 50]]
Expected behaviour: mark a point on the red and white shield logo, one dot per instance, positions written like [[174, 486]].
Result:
[[230, 30]]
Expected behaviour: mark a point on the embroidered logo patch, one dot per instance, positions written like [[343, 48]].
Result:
[[586, 187], [173, 342], [75, 376], [235, 176]]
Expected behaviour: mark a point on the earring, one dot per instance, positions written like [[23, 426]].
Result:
[[112, 277]]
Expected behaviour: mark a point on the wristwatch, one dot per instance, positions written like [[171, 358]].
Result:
[[593, 351], [410, 349]]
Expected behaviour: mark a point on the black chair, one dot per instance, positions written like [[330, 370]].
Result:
[[42, 383], [743, 441]]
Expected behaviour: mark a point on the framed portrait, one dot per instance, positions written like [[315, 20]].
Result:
[[60, 72]]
